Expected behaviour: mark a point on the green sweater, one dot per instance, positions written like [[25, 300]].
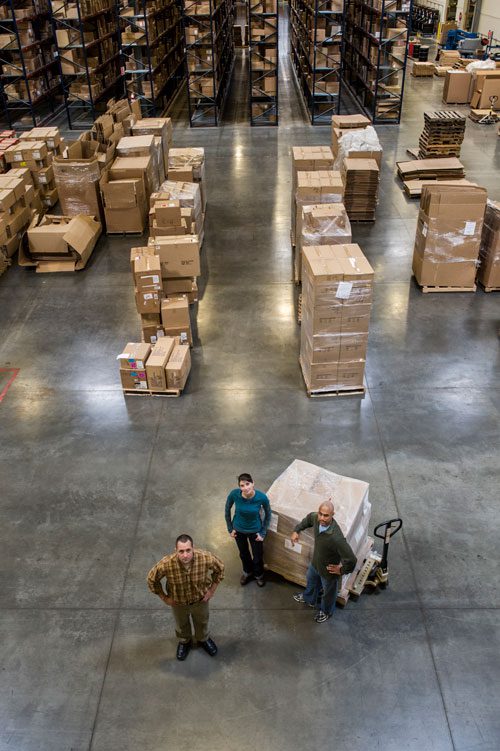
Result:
[[330, 546]]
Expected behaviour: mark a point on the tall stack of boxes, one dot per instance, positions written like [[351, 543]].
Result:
[[306, 159], [18, 200], [188, 166], [448, 236], [38, 159], [337, 283]]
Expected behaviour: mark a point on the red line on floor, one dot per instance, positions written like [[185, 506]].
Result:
[[9, 383]]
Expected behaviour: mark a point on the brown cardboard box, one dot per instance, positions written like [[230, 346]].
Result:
[[322, 186], [178, 367], [420, 70], [146, 250], [179, 256], [167, 213], [157, 126], [444, 28], [125, 204], [456, 87], [485, 83], [151, 327], [148, 301], [147, 272], [133, 380], [125, 168], [77, 177], [157, 361], [134, 356], [59, 243], [489, 253], [183, 285], [183, 332], [175, 312]]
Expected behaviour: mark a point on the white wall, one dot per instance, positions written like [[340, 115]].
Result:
[[490, 18]]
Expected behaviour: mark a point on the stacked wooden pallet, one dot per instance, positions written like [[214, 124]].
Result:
[[442, 135]]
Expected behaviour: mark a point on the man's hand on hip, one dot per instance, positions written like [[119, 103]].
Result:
[[208, 595], [168, 601], [333, 568]]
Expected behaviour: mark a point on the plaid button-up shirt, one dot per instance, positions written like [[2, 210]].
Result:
[[186, 584]]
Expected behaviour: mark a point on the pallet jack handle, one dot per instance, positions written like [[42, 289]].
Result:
[[389, 529]]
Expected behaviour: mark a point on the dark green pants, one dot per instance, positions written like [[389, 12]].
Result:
[[198, 614]]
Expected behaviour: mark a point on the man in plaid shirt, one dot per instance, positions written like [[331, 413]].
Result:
[[192, 576]]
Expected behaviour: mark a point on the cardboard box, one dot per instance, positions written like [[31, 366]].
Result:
[[147, 273], [134, 356], [178, 367], [456, 87], [59, 243], [148, 301], [157, 361], [167, 213], [184, 333], [175, 312], [160, 127], [77, 176], [484, 84], [179, 256], [125, 204], [135, 380], [146, 250], [126, 168], [321, 186], [182, 285], [489, 252]]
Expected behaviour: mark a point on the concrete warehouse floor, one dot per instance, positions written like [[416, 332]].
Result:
[[95, 487]]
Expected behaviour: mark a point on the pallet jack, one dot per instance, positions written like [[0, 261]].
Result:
[[492, 116], [374, 573]]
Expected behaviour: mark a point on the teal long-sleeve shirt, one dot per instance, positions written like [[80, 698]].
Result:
[[247, 517], [329, 546]]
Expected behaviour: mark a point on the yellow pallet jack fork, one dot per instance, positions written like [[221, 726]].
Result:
[[492, 116], [374, 572]]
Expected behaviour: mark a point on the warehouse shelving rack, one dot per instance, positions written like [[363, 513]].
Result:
[[30, 89], [375, 56], [208, 26], [316, 42], [88, 43], [152, 44], [263, 61]]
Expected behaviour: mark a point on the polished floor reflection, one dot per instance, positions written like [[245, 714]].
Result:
[[95, 488]]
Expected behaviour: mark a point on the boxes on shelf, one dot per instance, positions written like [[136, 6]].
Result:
[[337, 283], [489, 251], [59, 243], [448, 235]]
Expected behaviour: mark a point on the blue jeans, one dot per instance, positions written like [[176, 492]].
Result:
[[320, 591]]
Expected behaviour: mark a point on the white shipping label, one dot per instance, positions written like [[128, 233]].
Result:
[[344, 290], [139, 365], [36, 155], [148, 295], [142, 385], [273, 524], [18, 157], [470, 228], [156, 279], [297, 548]]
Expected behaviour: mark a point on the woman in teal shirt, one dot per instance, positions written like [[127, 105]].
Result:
[[248, 527]]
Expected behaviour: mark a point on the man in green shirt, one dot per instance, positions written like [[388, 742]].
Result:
[[332, 558]]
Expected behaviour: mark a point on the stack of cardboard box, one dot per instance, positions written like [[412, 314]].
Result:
[[489, 252], [337, 285], [160, 128], [420, 70], [77, 173], [18, 201], [361, 178], [145, 146], [322, 224], [307, 159], [7, 139], [38, 159], [188, 166], [175, 318], [167, 217], [320, 186], [189, 197], [158, 368], [448, 236], [343, 124], [125, 189]]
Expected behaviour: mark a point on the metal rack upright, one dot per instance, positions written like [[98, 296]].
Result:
[[263, 61], [316, 42], [88, 41], [29, 81], [375, 57], [208, 26]]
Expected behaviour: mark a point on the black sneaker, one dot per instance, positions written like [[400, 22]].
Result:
[[321, 617], [209, 646], [183, 649], [299, 597]]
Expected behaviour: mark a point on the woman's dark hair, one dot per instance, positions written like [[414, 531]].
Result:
[[184, 538], [245, 477]]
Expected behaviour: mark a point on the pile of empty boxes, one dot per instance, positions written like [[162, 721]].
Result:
[[337, 283], [358, 154], [448, 237]]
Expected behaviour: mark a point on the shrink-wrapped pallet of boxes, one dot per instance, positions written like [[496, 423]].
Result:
[[189, 197], [337, 283], [188, 165], [322, 224], [448, 237], [307, 159], [299, 490]]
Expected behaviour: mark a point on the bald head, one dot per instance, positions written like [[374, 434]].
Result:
[[325, 513]]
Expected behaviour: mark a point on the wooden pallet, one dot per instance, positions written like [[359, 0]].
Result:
[[426, 288], [489, 289], [314, 393], [148, 392]]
